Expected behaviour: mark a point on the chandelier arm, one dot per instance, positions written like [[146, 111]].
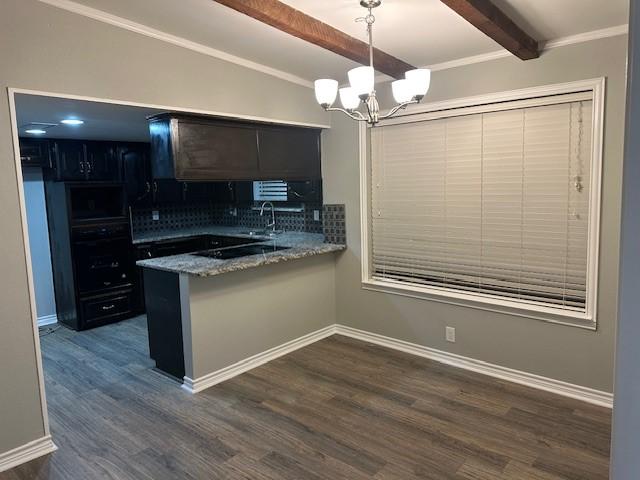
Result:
[[359, 117], [395, 109]]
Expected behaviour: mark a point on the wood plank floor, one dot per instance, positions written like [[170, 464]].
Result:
[[338, 409]]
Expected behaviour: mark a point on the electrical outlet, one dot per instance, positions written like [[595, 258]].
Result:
[[450, 334], [155, 215], [316, 215]]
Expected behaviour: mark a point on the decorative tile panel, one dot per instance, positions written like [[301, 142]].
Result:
[[334, 224]]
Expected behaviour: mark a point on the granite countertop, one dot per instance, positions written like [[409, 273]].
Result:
[[301, 245]]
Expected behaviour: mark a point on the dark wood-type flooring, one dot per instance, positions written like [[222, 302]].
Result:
[[338, 409]]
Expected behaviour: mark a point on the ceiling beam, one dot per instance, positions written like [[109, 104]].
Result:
[[492, 21], [299, 24]]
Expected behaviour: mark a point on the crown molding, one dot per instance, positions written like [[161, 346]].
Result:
[[545, 46], [132, 26]]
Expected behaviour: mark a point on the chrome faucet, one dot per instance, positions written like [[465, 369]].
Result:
[[273, 215]]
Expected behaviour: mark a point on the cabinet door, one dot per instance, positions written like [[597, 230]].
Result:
[[102, 163], [289, 153], [197, 191], [34, 152], [70, 160], [167, 191], [136, 171], [212, 151]]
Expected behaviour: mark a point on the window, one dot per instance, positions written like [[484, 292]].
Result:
[[489, 205], [270, 190]]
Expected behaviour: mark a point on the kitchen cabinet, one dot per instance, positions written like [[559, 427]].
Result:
[[34, 152], [78, 160], [289, 153], [197, 148], [136, 172], [166, 191], [69, 160], [102, 162]]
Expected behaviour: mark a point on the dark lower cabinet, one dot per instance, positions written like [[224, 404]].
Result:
[[93, 266], [104, 309], [164, 320]]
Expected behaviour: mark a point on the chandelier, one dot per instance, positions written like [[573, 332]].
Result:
[[361, 89]]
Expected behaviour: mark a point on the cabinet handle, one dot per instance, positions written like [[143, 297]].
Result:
[[109, 307]]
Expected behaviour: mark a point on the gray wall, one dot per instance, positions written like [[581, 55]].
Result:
[[560, 352], [240, 314], [625, 461], [39, 242], [45, 48]]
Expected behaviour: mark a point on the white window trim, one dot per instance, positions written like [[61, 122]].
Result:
[[587, 319]]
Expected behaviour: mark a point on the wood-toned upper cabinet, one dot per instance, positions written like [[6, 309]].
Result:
[[194, 148], [289, 153], [217, 151]]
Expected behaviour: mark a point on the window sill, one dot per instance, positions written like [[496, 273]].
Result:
[[484, 302]]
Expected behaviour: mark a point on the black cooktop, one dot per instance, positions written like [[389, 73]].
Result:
[[237, 252]]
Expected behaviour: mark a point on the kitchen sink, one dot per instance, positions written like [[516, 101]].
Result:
[[237, 252]]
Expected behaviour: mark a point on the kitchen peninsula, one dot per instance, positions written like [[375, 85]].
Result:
[[214, 313]]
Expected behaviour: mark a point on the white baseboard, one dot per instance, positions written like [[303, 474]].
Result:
[[47, 320], [26, 453], [558, 387], [211, 379], [565, 389]]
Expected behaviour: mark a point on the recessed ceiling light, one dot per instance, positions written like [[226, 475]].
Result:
[[72, 121], [35, 131]]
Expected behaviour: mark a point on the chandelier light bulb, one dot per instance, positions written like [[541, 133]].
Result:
[[362, 80], [326, 91], [402, 90], [349, 99], [420, 80]]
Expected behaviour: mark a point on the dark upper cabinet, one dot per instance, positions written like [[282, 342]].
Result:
[[136, 172], [197, 191], [34, 152], [195, 148], [102, 162], [167, 190], [69, 160], [289, 153], [80, 160]]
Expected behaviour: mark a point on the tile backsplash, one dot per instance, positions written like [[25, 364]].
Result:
[[334, 224], [196, 215]]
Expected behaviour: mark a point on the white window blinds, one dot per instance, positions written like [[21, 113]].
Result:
[[493, 203]]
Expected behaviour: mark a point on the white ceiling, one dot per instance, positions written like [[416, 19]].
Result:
[[421, 32], [103, 121]]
